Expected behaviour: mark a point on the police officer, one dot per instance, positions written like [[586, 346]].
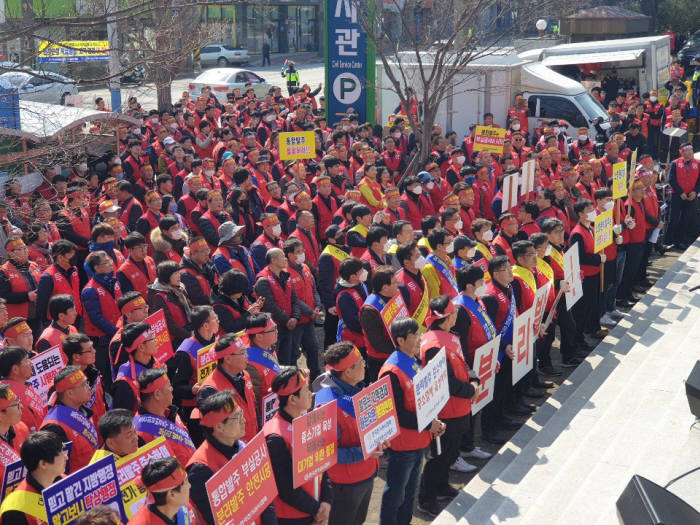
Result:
[[291, 75]]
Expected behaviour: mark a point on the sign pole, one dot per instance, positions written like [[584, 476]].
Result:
[[114, 67]]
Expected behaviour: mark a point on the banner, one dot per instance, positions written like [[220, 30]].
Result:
[[314, 443], [270, 404], [633, 163], [485, 361], [572, 275], [244, 487], [375, 414], [619, 180], [160, 329], [394, 309], [73, 51], [528, 177], [297, 145], [489, 139], [350, 61], [539, 305], [206, 362], [603, 231], [12, 476], [431, 389], [129, 469], [92, 485], [392, 118], [44, 367], [523, 344], [510, 192]]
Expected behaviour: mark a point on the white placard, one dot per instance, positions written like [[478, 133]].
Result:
[[523, 344], [540, 305], [528, 177], [510, 192], [44, 367], [572, 275], [485, 361], [431, 389]]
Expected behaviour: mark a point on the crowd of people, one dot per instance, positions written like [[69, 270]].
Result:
[[196, 216]]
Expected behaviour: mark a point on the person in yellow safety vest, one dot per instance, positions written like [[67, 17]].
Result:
[[290, 73], [43, 456]]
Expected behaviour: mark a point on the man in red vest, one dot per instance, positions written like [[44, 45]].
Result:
[[635, 236], [309, 503], [199, 274], [59, 278], [79, 351], [306, 233], [684, 179], [62, 311], [325, 205], [139, 270], [19, 279], [268, 239], [15, 371]]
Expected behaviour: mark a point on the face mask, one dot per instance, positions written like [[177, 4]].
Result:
[[481, 290], [459, 224], [154, 120], [471, 253], [548, 251], [430, 185], [388, 246], [118, 161], [583, 137], [177, 235], [420, 262], [270, 118], [451, 247], [83, 167], [460, 159], [276, 230], [487, 236], [209, 173], [515, 127], [363, 275], [397, 135], [301, 258], [137, 132], [345, 128], [653, 99], [417, 190], [591, 215], [174, 125], [609, 205]]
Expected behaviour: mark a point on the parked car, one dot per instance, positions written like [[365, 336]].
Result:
[[689, 51], [222, 56], [41, 86], [223, 80]]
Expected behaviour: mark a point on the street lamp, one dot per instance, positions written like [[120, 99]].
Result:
[[541, 25]]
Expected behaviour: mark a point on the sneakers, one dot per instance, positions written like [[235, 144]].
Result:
[[429, 508], [463, 466], [608, 321], [476, 453], [616, 314]]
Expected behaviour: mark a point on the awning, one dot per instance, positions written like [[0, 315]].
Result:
[[592, 58]]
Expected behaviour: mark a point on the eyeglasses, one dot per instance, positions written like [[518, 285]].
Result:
[[270, 331], [244, 352], [88, 351]]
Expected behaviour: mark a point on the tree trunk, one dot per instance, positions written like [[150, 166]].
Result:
[[28, 51]]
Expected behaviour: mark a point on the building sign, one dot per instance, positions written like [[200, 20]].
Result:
[[350, 62], [74, 51]]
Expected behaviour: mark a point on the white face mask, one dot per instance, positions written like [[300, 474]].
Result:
[[430, 185], [653, 99], [174, 125], [451, 247], [276, 230], [177, 235], [459, 224], [591, 215], [609, 205], [487, 236], [137, 132], [209, 173], [397, 135], [83, 167], [420, 262], [363, 275], [387, 246], [583, 137], [301, 258], [548, 251], [154, 120], [118, 161], [471, 253], [480, 290], [418, 190], [345, 128], [460, 159], [270, 118], [515, 127]]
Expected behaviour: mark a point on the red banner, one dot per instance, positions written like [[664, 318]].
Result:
[[314, 443], [375, 414], [160, 329], [244, 487]]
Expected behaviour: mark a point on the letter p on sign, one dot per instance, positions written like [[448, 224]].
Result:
[[347, 88]]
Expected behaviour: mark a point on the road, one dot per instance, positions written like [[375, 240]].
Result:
[[311, 73]]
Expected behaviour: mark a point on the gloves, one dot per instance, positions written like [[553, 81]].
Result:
[[603, 258], [618, 240], [617, 229]]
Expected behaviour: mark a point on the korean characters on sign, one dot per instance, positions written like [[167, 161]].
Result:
[[375, 414], [298, 145], [489, 139], [314, 443]]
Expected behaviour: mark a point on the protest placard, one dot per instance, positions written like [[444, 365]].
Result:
[[206, 362], [160, 329], [633, 162], [603, 231], [510, 192], [527, 183], [523, 344], [44, 367], [619, 180], [314, 443], [375, 414], [394, 309], [572, 275], [244, 487], [540, 305], [489, 139], [297, 145], [485, 361], [431, 389], [129, 469], [270, 404], [92, 485], [13, 474]]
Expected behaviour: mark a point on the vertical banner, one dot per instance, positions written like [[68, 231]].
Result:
[[244, 487], [160, 330], [528, 177], [523, 344], [485, 361], [619, 180], [375, 414], [314, 443], [539, 306], [93, 485], [603, 231], [572, 275], [44, 367], [510, 192], [431, 389], [206, 362], [350, 62]]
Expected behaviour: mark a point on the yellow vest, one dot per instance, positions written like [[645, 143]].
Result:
[[546, 269], [526, 275], [335, 252], [359, 228], [27, 502], [557, 256], [423, 242]]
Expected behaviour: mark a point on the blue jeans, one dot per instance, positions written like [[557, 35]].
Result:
[[402, 474]]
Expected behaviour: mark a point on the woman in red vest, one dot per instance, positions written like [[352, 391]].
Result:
[[169, 294], [19, 279], [139, 269]]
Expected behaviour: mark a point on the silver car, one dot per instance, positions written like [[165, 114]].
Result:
[[41, 86], [222, 56], [223, 80]]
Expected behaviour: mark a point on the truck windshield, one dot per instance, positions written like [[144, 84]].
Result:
[[592, 107]]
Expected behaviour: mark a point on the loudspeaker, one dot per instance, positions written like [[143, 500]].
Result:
[[692, 390], [643, 502]]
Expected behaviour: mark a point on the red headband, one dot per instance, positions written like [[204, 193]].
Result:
[[259, 329], [14, 244], [391, 192], [436, 316], [17, 330], [140, 339], [270, 221], [687, 146], [173, 481], [7, 399], [151, 195], [233, 348], [134, 304], [213, 418], [198, 244], [71, 381], [346, 362], [295, 384], [155, 385], [509, 220]]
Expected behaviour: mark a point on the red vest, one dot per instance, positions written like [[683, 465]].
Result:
[[413, 212], [108, 306], [687, 179], [139, 280], [219, 381], [33, 410], [392, 160], [325, 214], [638, 233], [80, 225], [212, 219], [527, 294], [280, 427], [310, 246], [303, 284], [98, 406], [651, 205], [82, 450], [177, 313], [203, 283], [505, 246], [54, 337], [26, 487], [283, 297], [415, 294], [347, 334], [152, 220], [408, 439], [19, 285], [181, 451], [589, 246], [456, 406], [477, 335], [267, 243], [126, 211], [503, 304], [144, 516]]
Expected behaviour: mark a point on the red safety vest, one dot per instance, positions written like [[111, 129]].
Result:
[[358, 339], [134, 274], [638, 233], [303, 284], [503, 304], [280, 427], [651, 205], [108, 306], [80, 225], [283, 297], [177, 313], [219, 381], [125, 212], [456, 406], [505, 246], [477, 336], [152, 220], [19, 285], [413, 212], [181, 451], [203, 283], [54, 337], [527, 293], [687, 179], [589, 246], [267, 242], [144, 516], [325, 214], [415, 294], [310, 246], [82, 450], [25, 487], [33, 408]]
